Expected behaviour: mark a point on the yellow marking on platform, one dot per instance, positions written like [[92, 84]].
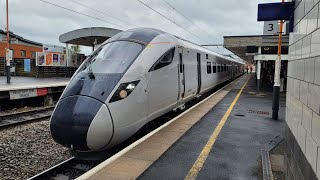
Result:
[[194, 171]]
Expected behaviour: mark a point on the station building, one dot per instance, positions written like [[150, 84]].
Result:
[[22, 49]]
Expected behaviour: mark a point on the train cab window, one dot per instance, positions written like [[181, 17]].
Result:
[[111, 58], [164, 60], [214, 68], [219, 68], [209, 68]]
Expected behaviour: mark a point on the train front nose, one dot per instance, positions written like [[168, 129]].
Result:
[[81, 123]]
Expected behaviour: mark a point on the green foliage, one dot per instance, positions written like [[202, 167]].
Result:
[[75, 49]]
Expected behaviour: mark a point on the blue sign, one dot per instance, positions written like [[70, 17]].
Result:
[[275, 11], [27, 65]]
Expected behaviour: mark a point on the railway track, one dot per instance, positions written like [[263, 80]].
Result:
[[25, 116], [69, 169]]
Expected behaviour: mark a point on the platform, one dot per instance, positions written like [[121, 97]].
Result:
[[18, 83], [221, 138], [25, 88]]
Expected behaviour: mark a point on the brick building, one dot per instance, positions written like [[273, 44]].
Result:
[[303, 97], [22, 49]]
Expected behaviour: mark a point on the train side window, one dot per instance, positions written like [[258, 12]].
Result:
[[214, 68], [209, 68], [219, 68], [164, 60], [225, 67], [207, 57]]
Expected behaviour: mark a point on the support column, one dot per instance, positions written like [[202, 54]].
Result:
[[68, 58], [277, 69], [94, 44], [276, 89], [258, 71]]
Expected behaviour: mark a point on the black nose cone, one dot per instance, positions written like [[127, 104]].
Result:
[[71, 119]]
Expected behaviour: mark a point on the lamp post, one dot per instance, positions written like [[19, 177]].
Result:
[[8, 44]]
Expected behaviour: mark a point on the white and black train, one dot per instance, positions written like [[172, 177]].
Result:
[[131, 79]]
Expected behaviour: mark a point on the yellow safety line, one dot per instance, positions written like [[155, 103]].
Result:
[[194, 171]]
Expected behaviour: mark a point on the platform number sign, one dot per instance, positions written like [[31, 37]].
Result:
[[270, 27]]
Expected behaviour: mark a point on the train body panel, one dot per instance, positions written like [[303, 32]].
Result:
[[133, 78]]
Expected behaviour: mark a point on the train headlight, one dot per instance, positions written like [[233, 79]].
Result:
[[123, 94], [124, 90]]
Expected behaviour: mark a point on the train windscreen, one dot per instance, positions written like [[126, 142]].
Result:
[[114, 57]]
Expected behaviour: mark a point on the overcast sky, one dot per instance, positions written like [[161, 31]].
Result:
[[212, 19]]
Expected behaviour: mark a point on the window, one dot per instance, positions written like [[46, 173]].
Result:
[[214, 68], [207, 56], [114, 57], [219, 68], [164, 60], [23, 53], [225, 67], [33, 54], [208, 67]]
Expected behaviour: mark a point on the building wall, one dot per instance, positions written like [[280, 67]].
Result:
[[17, 48], [303, 96]]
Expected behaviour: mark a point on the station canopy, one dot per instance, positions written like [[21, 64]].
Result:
[[88, 36], [238, 44]]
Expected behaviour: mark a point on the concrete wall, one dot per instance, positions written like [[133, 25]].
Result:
[[303, 96]]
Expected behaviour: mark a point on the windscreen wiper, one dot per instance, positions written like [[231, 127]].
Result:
[[90, 73]]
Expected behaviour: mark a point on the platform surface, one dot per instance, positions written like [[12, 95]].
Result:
[[172, 152], [236, 152], [18, 83]]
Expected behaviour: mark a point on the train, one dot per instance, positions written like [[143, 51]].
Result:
[[130, 80]]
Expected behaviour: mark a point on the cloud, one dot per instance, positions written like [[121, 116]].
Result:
[[41, 22]]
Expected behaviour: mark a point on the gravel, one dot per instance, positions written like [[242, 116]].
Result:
[[27, 150], [18, 110]]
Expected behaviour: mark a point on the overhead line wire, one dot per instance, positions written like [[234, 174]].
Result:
[[175, 9], [170, 20], [184, 16], [82, 13], [103, 13]]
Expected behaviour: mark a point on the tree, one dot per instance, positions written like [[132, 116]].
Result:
[[73, 54], [75, 50]]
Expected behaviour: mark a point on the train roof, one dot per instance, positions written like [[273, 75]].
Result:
[[192, 45], [147, 34]]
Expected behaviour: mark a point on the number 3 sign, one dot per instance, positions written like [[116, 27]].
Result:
[[271, 27]]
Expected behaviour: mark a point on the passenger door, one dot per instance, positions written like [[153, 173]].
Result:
[[162, 84], [199, 72], [181, 77]]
